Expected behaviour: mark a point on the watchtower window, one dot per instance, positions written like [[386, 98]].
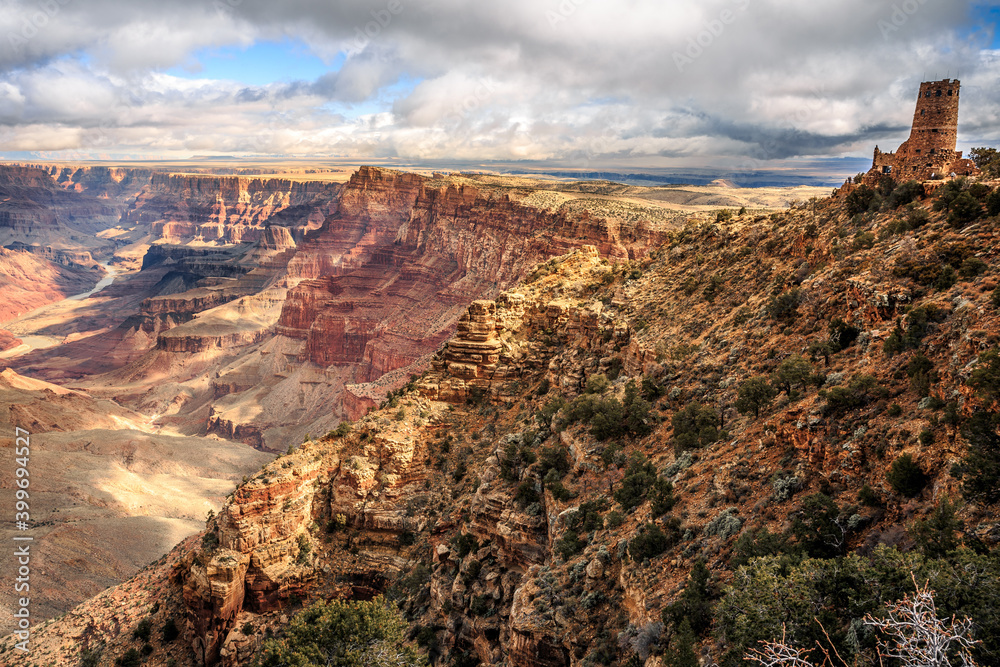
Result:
[[887, 169], [918, 151], [923, 111], [934, 130], [927, 94], [937, 93], [950, 93]]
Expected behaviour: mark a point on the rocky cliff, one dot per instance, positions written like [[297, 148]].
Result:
[[593, 434], [389, 275], [178, 208]]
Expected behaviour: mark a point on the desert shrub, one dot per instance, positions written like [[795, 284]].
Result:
[[91, 657], [464, 544], [785, 486], [608, 419], [946, 195], [946, 279], [935, 535], [343, 633], [819, 527], [964, 209], [171, 631], [821, 349], [993, 203], [690, 285], [569, 544], [842, 334], [987, 160], [921, 373], [981, 466], [985, 379], [694, 604], [754, 395], [558, 490], [972, 267], [868, 497], [661, 496], [637, 411], [651, 541], [681, 650], [131, 658], [904, 193], [651, 389], [614, 519], [518, 454], [784, 306], [554, 458], [639, 478], [343, 428], [725, 525], [906, 477], [611, 418], [144, 630], [918, 325], [793, 370], [858, 392], [713, 288], [863, 241], [995, 295], [696, 425], [771, 595], [756, 544], [597, 383], [305, 548], [551, 407], [917, 217], [588, 518], [526, 493], [860, 200], [894, 410]]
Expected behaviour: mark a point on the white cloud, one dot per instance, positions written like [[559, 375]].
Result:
[[575, 80]]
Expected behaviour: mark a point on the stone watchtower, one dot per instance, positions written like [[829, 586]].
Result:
[[930, 150]]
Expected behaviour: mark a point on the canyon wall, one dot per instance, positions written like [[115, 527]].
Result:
[[227, 209], [385, 280]]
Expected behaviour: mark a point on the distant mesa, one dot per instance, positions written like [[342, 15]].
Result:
[[723, 183], [930, 152]]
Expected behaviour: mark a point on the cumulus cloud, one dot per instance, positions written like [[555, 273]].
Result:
[[580, 81]]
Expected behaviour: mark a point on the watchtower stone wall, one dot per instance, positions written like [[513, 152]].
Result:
[[929, 152]]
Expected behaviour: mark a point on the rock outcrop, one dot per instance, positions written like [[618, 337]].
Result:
[[226, 209], [388, 276]]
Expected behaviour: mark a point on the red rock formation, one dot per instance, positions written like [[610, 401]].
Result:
[[389, 274], [230, 209], [28, 281], [8, 340]]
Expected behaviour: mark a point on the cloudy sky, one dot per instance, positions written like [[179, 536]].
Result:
[[584, 83]]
